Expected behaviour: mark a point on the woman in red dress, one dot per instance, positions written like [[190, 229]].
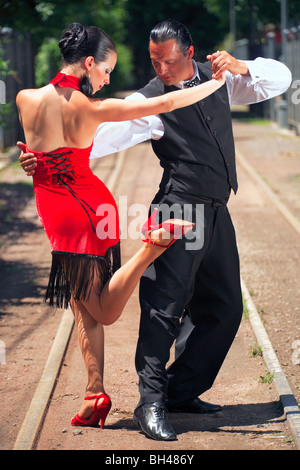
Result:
[[59, 122]]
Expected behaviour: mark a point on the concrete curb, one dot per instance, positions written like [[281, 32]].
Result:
[[35, 414], [287, 398], [34, 417], [37, 409]]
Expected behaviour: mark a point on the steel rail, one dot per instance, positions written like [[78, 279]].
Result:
[[34, 418], [287, 398], [32, 423]]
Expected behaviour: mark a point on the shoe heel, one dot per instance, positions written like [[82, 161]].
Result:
[[135, 420], [102, 420], [99, 414]]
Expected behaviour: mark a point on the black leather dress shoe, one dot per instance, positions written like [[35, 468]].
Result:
[[194, 406], [153, 421]]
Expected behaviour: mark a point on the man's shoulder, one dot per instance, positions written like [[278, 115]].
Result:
[[154, 88], [205, 67]]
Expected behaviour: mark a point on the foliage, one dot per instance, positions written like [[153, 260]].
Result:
[[47, 19], [129, 22], [203, 25], [260, 12], [5, 108], [47, 62]]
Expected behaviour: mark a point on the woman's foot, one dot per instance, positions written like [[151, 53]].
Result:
[[87, 407], [164, 234], [93, 412]]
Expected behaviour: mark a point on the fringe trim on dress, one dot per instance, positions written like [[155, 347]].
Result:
[[73, 275]]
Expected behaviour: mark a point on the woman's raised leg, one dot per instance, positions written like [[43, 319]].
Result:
[[107, 307]]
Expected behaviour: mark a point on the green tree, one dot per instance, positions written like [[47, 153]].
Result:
[[204, 26], [46, 20], [258, 13], [5, 108]]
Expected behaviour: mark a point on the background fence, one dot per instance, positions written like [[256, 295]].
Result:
[[285, 110], [18, 50], [293, 62]]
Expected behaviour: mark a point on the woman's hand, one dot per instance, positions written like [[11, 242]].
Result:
[[27, 160]]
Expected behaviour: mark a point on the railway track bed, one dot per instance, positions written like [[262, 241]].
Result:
[[251, 418]]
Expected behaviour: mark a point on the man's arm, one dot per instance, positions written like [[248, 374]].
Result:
[[27, 160], [113, 137], [251, 81]]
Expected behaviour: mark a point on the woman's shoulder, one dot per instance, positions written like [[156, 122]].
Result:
[[29, 94]]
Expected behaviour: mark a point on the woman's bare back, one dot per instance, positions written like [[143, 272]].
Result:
[[55, 117]]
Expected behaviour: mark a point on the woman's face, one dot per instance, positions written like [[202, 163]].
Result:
[[100, 73]]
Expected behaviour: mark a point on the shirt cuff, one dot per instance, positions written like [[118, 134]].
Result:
[[268, 70]]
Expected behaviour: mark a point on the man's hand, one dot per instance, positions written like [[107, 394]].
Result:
[[222, 61], [27, 160]]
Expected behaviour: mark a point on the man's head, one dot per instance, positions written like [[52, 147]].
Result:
[[171, 51]]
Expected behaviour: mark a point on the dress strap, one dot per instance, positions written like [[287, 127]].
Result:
[[66, 81]]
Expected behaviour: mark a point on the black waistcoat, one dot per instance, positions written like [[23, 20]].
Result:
[[197, 148]]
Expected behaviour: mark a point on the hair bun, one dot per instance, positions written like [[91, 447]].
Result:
[[72, 37]]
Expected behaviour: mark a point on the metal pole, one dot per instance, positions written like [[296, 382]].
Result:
[[284, 28], [232, 16], [284, 105]]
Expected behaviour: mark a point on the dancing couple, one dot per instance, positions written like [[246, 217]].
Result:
[[192, 297]]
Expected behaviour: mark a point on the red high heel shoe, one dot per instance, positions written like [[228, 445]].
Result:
[[99, 414], [177, 227]]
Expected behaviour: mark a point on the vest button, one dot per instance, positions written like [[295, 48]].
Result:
[[208, 118]]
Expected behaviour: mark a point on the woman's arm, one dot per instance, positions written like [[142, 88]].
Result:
[[123, 110]]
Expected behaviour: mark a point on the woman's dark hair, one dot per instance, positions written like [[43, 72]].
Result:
[[78, 42], [172, 29]]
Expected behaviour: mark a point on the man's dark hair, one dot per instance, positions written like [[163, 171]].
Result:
[[172, 29]]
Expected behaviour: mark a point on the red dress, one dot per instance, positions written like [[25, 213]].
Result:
[[80, 218]]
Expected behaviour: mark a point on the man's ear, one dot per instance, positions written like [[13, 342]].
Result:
[[190, 52]]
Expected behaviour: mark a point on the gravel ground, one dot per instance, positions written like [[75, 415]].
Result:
[[269, 248]]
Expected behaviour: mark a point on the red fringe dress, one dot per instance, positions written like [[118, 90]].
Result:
[[80, 218]]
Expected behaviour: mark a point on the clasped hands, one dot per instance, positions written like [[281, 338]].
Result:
[[222, 61]]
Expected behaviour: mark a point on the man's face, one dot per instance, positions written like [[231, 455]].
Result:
[[170, 64]]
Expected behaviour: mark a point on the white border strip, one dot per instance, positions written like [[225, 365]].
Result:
[[37, 409]]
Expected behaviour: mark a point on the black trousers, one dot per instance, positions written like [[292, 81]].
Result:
[[193, 297]]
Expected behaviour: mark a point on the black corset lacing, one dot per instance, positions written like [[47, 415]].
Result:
[[64, 174]]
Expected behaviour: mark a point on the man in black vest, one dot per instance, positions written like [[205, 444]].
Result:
[[192, 293]]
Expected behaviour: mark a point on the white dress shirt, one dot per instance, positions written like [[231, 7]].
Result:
[[268, 78]]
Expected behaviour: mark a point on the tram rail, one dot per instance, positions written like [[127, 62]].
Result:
[[34, 417]]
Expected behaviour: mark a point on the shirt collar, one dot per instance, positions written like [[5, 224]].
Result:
[[196, 75]]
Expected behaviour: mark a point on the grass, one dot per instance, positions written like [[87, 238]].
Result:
[[268, 378], [255, 350], [245, 309]]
